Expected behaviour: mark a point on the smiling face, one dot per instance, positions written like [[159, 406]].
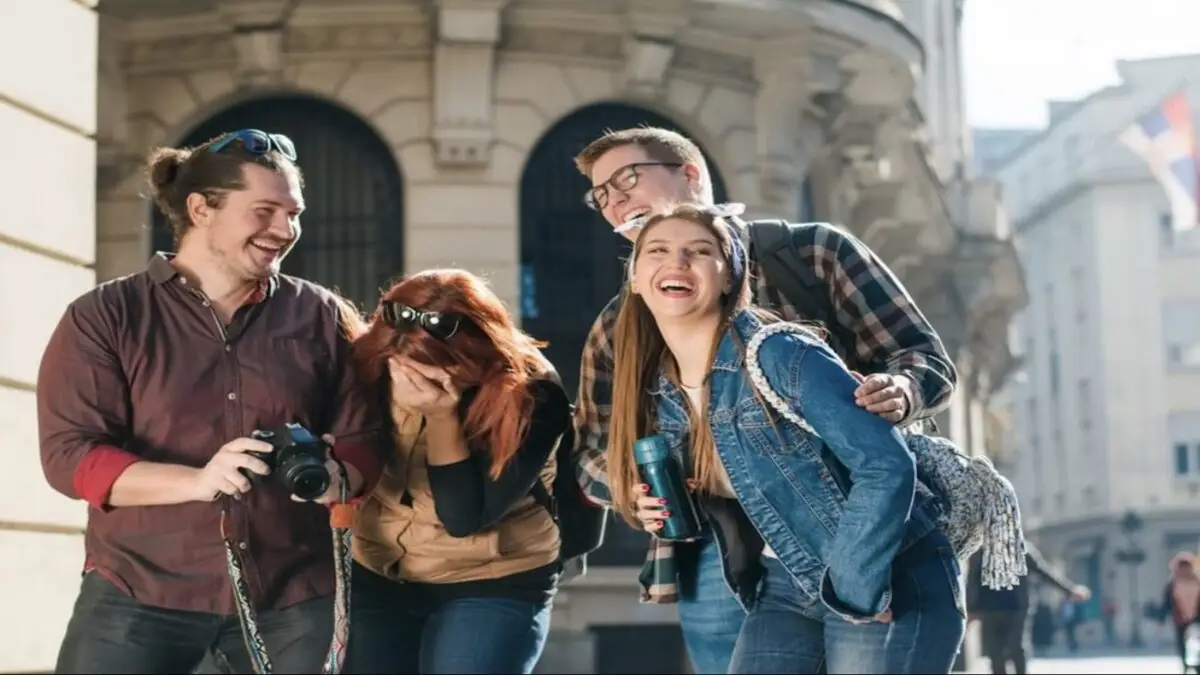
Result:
[[255, 228], [680, 271], [636, 184]]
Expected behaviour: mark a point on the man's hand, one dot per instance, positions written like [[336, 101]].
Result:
[[334, 494], [884, 394], [1081, 593], [223, 475]]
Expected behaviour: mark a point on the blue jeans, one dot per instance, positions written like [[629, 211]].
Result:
[[709, 615], [403, 629], [790, 632]]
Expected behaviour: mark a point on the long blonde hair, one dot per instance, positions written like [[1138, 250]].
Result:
[[641, 352]]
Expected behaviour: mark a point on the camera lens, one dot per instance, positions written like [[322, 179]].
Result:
[[308, 482]]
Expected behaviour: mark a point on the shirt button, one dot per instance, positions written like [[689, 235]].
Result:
[[228, 348], [238, 496], [242, 545], [231, 396], [206, 303]]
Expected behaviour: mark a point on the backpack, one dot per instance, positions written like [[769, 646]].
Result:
[[982, 511], [581, 523], [773, 246]]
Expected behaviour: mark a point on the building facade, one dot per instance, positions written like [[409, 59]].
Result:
[[1107, 410], [440, 134], [47, 257]]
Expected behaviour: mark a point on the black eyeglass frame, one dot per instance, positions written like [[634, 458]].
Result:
[[623, 179]]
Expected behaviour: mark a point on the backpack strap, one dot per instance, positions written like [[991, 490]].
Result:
[[543, 497], [773, 246]]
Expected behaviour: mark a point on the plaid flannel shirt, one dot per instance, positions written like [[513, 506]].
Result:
[[868, 299]]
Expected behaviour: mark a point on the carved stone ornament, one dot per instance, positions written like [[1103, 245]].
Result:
[[464, 79]]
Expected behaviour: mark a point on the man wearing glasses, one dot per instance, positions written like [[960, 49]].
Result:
[[148, 394], [872, 322]]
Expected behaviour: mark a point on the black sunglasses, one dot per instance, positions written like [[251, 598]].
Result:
[[256, 142], [441, 325]]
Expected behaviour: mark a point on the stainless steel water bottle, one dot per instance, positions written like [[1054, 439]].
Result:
[[662, 471]]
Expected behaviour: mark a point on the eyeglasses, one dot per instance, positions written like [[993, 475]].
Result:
[[623, 179], [256, 142], [441, 325]]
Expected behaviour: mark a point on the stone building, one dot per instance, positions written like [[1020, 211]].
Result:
[[440, 132]]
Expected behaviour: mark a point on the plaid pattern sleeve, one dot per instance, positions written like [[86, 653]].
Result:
[[593, 408], [888, 326]]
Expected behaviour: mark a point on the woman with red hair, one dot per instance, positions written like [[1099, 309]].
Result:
[[456, 559]]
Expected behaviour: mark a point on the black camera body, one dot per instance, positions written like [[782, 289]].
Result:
[[297, 460]]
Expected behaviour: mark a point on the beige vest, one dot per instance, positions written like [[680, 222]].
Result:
[[409, 543]]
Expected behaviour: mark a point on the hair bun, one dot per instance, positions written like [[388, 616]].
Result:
[[163, 167]]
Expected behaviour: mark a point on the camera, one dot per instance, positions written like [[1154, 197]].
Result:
[[297, 460]]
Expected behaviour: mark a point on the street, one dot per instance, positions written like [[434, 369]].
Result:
[[1141, 663]]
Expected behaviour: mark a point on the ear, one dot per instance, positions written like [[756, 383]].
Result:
[[198, 210], [692, 173]]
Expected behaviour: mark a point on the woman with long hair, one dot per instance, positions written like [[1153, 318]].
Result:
[[825, 535], [456, 556]]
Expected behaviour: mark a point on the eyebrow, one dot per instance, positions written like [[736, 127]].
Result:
[[279, 204], [693, 241]]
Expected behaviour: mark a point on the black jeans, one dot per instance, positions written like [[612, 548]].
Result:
[[110, 632], [1004, 640]]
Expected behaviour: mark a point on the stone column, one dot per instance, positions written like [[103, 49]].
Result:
[[787, 139], [464, 80]]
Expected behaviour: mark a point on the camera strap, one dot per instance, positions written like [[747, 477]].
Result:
[[340, 521]]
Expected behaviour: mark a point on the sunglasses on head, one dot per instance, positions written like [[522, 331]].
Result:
[[441, 325], [256, 142]]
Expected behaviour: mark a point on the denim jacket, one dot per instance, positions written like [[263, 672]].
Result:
[[836, 509]]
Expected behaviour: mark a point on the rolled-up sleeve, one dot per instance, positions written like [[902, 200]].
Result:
[[83, 407], [356, 420]]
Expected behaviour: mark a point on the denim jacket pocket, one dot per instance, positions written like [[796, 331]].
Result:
[[954, 576]]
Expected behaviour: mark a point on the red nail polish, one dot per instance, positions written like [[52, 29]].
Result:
[[662, 501]]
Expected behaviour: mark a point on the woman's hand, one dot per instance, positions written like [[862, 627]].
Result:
[[427, 389], [651, 510]]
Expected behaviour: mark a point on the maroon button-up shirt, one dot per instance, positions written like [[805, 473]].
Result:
[[141, 368]]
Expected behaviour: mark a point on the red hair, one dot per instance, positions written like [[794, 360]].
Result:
[[487, 351]]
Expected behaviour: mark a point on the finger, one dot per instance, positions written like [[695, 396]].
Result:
[[246, 445], [870, 385], [692, 484], [250, 463], [647, 503], [643, 488], [427, 371], [652, 515], [886, 405], [888, 393], [234, 485], [652, 525], [858, 376], [886, 617], [893, 417], [419, 382], [328, 438]]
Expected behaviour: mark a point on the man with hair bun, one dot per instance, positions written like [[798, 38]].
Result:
[[149, 393]]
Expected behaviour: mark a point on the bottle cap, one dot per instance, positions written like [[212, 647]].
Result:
[[650, 449]]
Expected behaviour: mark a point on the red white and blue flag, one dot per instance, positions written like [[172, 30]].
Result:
[[1165, 138]]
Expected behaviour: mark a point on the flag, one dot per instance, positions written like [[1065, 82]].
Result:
[[1165, 139]]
